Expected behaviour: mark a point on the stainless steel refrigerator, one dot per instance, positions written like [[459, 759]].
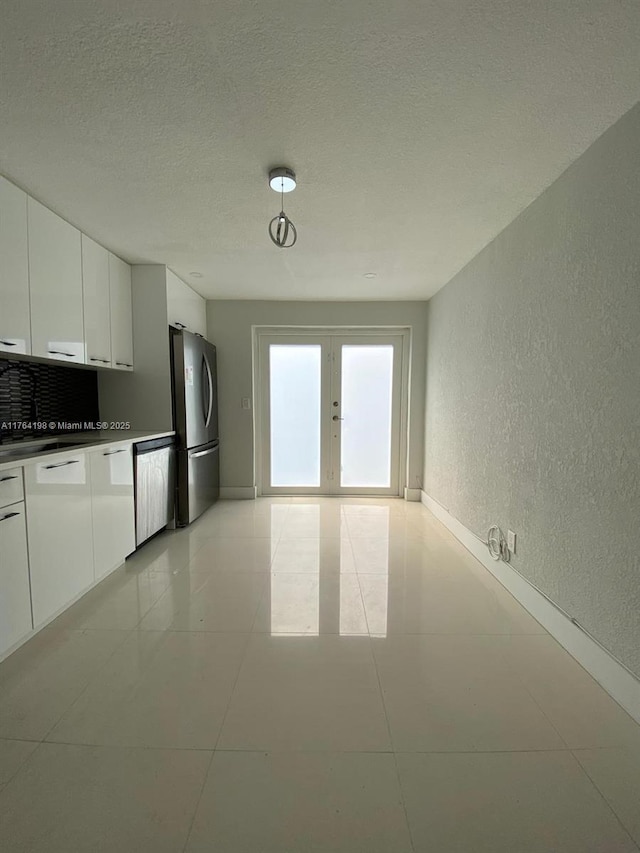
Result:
[[195, 414]]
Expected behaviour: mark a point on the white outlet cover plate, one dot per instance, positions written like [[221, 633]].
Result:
[[511, 541]]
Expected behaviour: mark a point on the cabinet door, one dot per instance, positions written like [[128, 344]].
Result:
[[186, 309], [121, 318], [11, 490], [58, 499], [55, 284], [112, 507], [97, 310], [15, 600], [15, 328]]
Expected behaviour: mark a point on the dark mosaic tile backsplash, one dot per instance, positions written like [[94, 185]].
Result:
[[48, 394]]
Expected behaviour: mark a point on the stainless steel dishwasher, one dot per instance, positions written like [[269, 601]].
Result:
[[154, 466]]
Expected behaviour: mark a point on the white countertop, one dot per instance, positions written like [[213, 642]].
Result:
[[75, 442]]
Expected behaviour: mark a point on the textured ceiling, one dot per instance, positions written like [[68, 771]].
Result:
[[418, 130]]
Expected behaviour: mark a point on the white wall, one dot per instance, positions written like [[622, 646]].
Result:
[[533, 390], [229, 327]]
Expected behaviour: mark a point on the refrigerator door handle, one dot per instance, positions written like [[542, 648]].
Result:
[[203, 452], [207, 407]]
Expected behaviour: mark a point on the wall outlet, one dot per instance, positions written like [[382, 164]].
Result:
[[511, 541], [246, 402]]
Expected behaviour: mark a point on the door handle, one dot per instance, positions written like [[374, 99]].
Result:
[[61, 464], [4, 479], [9, 515], [8, 343], [111, 452], [203, 453], [336, 418], [59, 352], [207, 406]]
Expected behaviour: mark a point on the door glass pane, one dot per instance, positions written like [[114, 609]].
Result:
[[294, 382], [367, 379]]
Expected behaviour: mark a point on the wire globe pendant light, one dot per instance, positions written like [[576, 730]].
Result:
[[281, 229]]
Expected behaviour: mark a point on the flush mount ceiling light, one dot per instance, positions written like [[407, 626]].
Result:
[[282, 179], [282, 231], [370, 275]]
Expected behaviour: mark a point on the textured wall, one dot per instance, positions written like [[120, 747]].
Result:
[[229, 325], [533, 401]]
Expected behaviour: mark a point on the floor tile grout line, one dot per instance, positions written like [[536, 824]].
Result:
[[265, 589], [197, 802], [94, 675], [528, 690], [603, 797], [394, 751], [222, 723], [391, 751], [386, 715], [4, 786]]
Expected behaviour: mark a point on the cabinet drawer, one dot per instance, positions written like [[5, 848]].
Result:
[[69, 471], [11, 489]]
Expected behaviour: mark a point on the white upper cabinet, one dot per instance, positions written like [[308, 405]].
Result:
[[55, 279], [121, 316], [186, 308], [15, 330], [97, 310]]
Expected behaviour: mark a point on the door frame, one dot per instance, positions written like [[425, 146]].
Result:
[[300, 334]]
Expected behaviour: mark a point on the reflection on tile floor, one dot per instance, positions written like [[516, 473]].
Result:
[[309, 674]]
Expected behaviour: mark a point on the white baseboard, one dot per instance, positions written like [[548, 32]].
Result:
[[412, 494], [607, 671], [238, 493]]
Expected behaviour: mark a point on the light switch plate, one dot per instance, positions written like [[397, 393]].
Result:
[[246, 402], [511, 541]]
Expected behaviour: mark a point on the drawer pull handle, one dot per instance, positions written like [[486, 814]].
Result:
[[61, 464], [111, 452], [4, 479], [103, 360], [9, 515], [8, 343], [123, 364], [179, 325], [58, 352]]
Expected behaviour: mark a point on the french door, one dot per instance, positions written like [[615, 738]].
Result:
[[330, 413]]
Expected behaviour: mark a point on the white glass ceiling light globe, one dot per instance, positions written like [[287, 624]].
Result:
[[282, 179]]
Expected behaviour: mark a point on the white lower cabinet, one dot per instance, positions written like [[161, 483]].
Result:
[[58, 500], [112, 507], [15, 601]]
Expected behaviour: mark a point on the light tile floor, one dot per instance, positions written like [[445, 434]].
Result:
[[301, 675]]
